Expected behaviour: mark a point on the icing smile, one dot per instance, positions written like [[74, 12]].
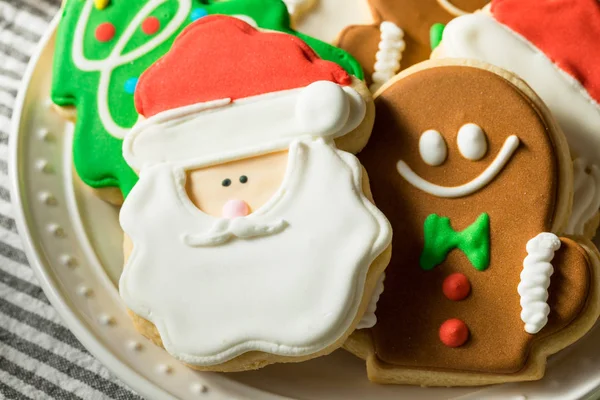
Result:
[[508, 148]]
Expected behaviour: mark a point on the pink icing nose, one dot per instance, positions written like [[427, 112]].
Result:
[[235, 208]]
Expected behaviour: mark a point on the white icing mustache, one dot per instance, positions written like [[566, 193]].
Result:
[[508, 148], [225, 230]]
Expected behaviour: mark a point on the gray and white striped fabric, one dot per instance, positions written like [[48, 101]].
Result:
[[39, 357]]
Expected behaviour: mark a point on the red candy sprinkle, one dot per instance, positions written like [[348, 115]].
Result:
[[150, 26], [456, 287], [105, 32], [454, 333]]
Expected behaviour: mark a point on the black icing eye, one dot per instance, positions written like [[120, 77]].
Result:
[[226, 182], [243, 179]]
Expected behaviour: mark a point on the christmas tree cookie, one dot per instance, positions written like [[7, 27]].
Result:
[[476, 179], [250, 236], [102, 48], [553, 46]]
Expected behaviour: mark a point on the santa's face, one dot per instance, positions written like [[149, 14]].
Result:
[[279, 280], [237, 188]]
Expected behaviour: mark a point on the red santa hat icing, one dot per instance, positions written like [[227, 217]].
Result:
[[566, 31], [227, 90]]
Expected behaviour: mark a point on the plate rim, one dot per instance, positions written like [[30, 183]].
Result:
[[127, 375]]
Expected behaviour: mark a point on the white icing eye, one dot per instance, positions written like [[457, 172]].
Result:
[[472, 142], [433, 148]]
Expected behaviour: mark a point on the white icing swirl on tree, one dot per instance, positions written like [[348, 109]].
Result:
[[118, 57], [535, 280], [388, 57], [586, 198]]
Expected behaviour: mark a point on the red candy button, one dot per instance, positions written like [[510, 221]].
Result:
[[456, 287], [150, 26], [105, 32], [454, 333]]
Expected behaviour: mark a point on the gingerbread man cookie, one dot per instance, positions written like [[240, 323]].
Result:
[[250, 236], [101, 51], [476, 179], [401, 34], [553, 46]]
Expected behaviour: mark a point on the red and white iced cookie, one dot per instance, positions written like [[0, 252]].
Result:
[[250, 235], [553, 46]]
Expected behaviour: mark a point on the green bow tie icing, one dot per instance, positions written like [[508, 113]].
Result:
[[440, 239], [100, 54]]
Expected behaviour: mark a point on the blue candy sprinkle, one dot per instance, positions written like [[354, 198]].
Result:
[[198, 13], [130, 85]]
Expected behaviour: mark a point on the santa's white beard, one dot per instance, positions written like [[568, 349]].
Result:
[[289, 281]]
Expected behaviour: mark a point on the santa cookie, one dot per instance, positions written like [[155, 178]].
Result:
[[535, 39], [401, 35], [102, 48], [476, 179], [251, 238]]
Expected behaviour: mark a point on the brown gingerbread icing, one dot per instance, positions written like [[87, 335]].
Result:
[[415, 17], [520, 202]]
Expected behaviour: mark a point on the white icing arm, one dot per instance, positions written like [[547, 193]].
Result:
[[388, 57], [535, 280], [369, 319]]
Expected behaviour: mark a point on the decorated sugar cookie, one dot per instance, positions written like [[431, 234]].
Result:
[[476, 180], [553, 46], [401, 35], [101, 53], [250, 237]]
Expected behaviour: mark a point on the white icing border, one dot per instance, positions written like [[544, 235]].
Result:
[[370, 319], [586, 198]]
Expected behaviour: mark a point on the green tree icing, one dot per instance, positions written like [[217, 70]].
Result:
[[97, 151]]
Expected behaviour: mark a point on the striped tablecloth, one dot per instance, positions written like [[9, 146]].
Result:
[[39, 357]]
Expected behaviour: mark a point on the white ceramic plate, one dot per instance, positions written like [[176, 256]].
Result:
[[327, 18], [73, 243]]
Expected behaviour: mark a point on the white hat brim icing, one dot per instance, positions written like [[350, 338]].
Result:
[[221, 130]]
